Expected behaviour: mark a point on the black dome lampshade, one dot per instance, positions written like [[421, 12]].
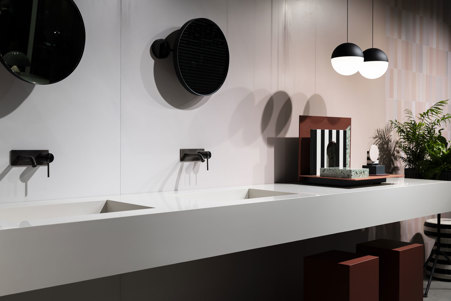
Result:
[[347, 57], [200, 53], [375, 62]]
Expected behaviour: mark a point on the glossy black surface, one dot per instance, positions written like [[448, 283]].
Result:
[[374, 54], [41, 41], [347, 49], [195, 154], [201, 55], [33, 158]]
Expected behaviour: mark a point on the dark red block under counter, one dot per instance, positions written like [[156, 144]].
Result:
[[341, 276], [401, 268]]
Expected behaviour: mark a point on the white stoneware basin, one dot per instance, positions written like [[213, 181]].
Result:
[[26, 214]]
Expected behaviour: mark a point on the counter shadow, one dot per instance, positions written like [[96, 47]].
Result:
[[264, 274]]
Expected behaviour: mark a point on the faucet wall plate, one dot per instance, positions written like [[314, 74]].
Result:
[[190, 154], [31, 158], [23, 157]]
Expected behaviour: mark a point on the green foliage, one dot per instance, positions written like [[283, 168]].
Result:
[[421, 140], [389, 153]]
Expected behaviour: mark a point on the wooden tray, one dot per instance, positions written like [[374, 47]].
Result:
[[343, 182]]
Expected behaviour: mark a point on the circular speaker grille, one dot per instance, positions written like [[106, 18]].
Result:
[[201, 57]]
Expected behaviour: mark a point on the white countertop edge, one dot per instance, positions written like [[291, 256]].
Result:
[[49, 255], [156, 200]]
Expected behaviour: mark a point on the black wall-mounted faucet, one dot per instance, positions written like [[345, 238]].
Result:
[[31, 158], [195, 154]]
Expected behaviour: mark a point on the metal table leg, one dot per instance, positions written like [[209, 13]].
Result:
[[437, 253]]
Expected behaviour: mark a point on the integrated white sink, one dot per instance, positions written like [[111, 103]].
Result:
[[42, 213], [228, 195], [25, 214]]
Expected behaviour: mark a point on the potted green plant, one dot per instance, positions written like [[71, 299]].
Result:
[[425, 152]]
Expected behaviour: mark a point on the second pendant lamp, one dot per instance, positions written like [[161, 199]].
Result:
[[347, 57], [375, 62]]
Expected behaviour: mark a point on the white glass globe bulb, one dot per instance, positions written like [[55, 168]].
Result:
[[347, 58], [375, 63]]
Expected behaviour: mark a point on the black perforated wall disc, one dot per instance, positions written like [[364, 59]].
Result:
[[201, 56]]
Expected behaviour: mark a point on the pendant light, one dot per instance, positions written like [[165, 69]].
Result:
[[375, 61], [347, 57]]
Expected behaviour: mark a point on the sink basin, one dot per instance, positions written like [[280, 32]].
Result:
[[229, 195], [260, 193], [21, 214], [33, 214]]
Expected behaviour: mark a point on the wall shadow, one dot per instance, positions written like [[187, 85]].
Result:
[[26, 176], [5, 172], [170, 88], [13, 92], [417, 239], [167, 82], [275, 123], [315, 106], [177, 169], [286, 152], [243, 128], [276, 116]]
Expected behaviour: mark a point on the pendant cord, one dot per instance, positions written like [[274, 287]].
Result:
[[372, 24], [347, 21]]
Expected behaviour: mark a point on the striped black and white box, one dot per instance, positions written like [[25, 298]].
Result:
[[329, 148]]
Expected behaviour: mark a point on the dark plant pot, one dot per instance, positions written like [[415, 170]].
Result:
[[412, 173], [415, 174], [445, 175]]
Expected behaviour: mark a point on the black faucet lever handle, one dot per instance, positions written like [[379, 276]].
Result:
[[206, 155], [50, 158], [47, 159]]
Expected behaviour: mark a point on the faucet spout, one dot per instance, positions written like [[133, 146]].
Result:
[[204, 155], [32, 160], [197, 154], [201, 157]]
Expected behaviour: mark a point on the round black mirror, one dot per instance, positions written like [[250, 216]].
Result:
[[41, 41]]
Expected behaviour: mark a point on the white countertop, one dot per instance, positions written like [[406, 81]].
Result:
[[191, 225]]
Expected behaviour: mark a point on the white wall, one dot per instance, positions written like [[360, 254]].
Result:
[[118, 122], [76, 119]]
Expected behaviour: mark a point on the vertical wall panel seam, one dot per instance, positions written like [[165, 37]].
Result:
[[120, 97]]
